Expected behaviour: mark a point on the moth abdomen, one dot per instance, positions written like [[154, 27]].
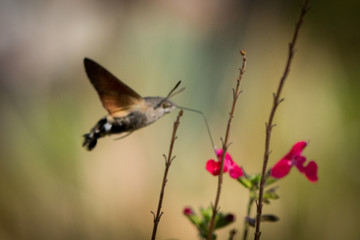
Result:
[[98, 131], [113, 125]]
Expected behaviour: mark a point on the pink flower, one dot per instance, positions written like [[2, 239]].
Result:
[[213, 166], [188, 211], [294, 158]]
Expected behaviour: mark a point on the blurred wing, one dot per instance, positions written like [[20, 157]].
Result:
[[114, 95]]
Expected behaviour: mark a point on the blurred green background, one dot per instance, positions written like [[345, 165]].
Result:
[[52, 188]]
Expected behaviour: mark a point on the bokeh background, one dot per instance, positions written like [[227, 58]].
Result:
[[52, 188]]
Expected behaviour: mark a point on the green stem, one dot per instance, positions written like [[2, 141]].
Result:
[[246, 225]]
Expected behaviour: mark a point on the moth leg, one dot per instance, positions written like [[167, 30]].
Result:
[[121, 137]]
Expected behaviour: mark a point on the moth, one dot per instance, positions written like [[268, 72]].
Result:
[[127, 110]]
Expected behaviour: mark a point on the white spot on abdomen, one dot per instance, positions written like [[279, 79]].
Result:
[[107, 126]]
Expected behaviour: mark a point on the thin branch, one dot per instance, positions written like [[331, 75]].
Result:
[[168, 161], [232, 234], [269, 124], [225, 144]]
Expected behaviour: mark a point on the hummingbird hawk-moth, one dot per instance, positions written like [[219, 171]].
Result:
[[127, 110]]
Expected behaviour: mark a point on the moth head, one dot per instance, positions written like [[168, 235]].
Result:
[[167, 106], [160, 105], [165, 103]]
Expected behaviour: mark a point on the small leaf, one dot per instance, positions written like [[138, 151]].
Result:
[[203, 228], [266, 200], [207, 213], [250, 221], [245, 182], [224, 220], [195, 220], [264, 218], [270, 180], [273, 189], [269, 218], [271, 194], [255, 179]]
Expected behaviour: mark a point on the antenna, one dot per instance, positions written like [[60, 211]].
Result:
[[172, 90], [171, 94]]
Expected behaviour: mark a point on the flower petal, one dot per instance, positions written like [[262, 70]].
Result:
[[311, 171], [229, 165], [298, 147], [219, 153], [299, 161], [213, 167], [236, 171], [281, 168], [296, 150], [228, 162]]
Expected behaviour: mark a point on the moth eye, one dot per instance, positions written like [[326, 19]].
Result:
[[166, 105]]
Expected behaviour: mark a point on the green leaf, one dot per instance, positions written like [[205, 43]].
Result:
[[269, 218], [264, 218], [255, 180], [194, 219], [270, 180], [271, 193], [245, 182], [250, 221], [224, 220], [207, 213]]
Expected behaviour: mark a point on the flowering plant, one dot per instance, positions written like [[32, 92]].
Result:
[[252, 182], [294, 158], [201, 222], [229, 165], [211, 219]]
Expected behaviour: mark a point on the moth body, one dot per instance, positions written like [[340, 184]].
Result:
[[128, 111], [137, 118]]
